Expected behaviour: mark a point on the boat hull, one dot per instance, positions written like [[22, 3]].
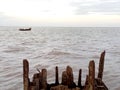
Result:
[[22, 29]]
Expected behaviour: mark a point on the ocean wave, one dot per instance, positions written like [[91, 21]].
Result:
[[58, 53], [53, 46], [12, 49]]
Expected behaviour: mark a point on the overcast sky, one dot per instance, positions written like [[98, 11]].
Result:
[[60, 12]]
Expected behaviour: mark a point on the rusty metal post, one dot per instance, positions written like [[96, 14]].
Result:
[[44, 79], [86, 81], [91, 81], [26, 74], [101, 65], [79, 78], [70, 78], [64, 78], [56, 76]]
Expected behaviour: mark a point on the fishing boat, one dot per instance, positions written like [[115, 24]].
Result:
[[25, 29]]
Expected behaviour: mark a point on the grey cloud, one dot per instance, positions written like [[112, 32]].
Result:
[[97, 6]]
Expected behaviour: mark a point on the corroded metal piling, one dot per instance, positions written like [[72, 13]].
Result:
[[80, 78], [26, 74], [56, 76], [39, 81], [101, 65]]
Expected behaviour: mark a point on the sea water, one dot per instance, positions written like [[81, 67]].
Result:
[[47, 47]]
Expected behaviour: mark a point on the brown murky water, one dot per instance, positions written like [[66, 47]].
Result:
[[47, 47]]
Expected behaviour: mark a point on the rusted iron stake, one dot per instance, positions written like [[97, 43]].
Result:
[[56, 76], [44, 79], [79, 78], [64, 78], [70, 78], [101, 65], [26, 74], [91, 76]]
